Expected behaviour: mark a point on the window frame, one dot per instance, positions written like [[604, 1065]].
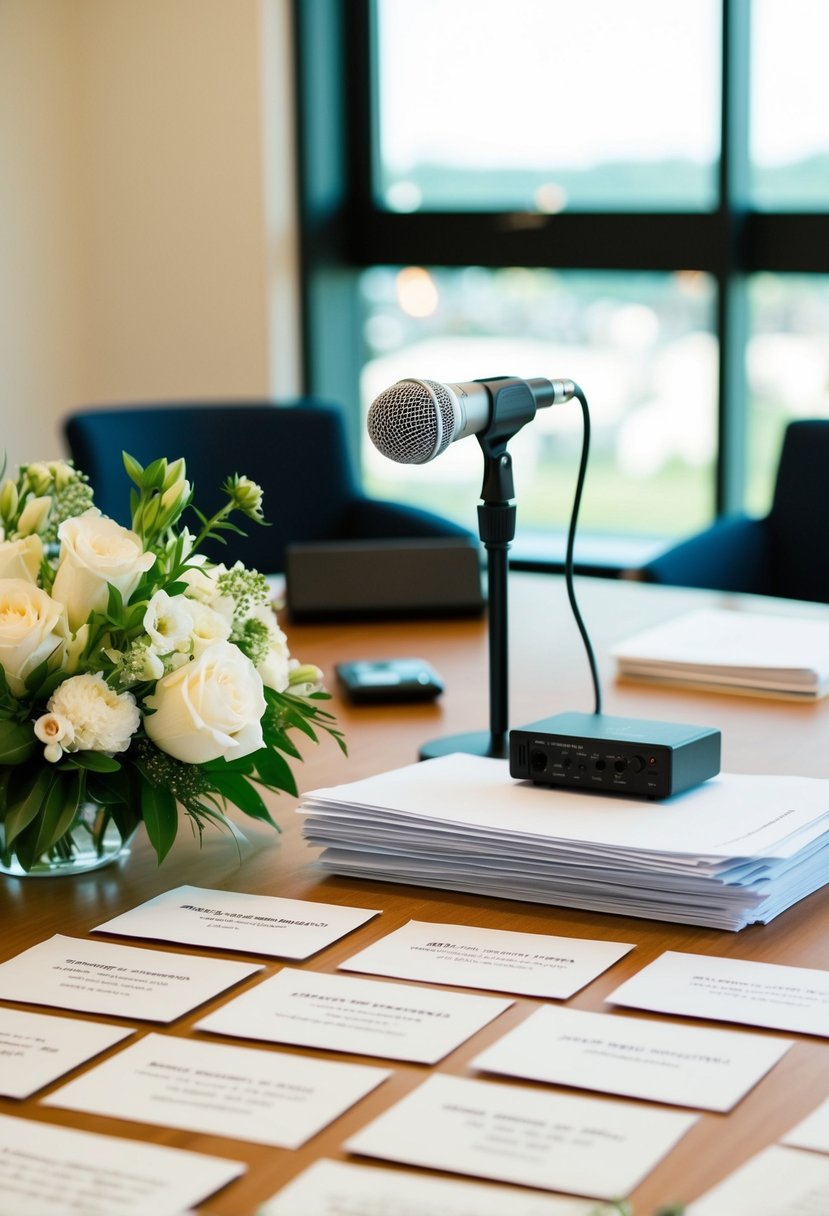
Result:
[[343, 231]]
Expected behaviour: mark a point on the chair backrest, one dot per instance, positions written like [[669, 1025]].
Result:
[[798, 522], [297, 453]]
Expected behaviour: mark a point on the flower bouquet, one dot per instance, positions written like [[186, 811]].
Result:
[[138, 679]]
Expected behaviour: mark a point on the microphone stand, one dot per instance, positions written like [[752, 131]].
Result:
[[513, 405]]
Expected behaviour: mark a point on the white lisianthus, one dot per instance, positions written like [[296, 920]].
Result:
[[96, 551], [304, 678], [39, 476], [32, 627], [21, 558], [102, 719], [168, 623], [209, 708], [57, 733], [207, 626], [203, 585], [274, 667]]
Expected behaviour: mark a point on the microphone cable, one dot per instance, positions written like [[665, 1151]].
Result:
[[571, 540]]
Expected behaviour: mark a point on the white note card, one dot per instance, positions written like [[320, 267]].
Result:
[[510, 1133], [532, 964], [680, 1065], [363, 1017], [777, 1182], [35, 1048], [232, 920], [247, 1094], [731, 990], [339, 1188], [812, 1132], [47, 1170], [100, 977]]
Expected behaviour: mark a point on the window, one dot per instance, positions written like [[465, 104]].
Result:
[[634, 196], [484, 107]]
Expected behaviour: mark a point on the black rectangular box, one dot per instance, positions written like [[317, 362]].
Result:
[[614, 755]]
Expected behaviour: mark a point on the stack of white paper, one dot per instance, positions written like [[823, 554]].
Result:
[[733, 652], [734, 851]]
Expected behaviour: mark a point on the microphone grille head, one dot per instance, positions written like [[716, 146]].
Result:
[[413, 421]]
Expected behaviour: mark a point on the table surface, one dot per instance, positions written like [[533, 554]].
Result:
[[548, 674]]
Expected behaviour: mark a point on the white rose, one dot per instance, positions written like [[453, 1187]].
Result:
[[21, 558], [95, 551], [56, 732], [101, 719], [32, 626], [209, 708]]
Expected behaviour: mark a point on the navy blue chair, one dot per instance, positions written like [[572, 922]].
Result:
[[297, 453], [784, 553]]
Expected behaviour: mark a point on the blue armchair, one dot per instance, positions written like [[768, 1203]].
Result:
[[784, 553], [297, 453]]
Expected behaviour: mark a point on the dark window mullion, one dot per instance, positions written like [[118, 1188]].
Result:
[[570, 241], [731, 294]]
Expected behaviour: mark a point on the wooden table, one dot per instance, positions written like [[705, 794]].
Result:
[[548, 674]]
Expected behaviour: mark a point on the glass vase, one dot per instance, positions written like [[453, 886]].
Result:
[[91, 842]]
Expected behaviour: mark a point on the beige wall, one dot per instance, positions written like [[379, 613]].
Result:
[[147, 232]]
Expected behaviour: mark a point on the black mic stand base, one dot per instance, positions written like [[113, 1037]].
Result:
[[472, 743]]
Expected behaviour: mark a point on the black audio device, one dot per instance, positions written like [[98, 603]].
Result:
[[613, 755]]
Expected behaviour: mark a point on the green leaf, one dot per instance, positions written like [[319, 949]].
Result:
[[152, 477], [115, 605], [25, 798], [275, 771], [160, 815], [17, 741], [58, 811], [238, 790], [133, 468], [97, 762], [125, 817], [109, 788]]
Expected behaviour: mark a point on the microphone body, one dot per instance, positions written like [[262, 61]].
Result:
[[415, 420]]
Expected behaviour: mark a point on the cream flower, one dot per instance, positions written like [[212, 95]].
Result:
[[34, 516], [96, 551], [56, 732], [275, 667], [207, 626], [102, 720], [21, 558], [32, 626], [209, 708], [168, 623]]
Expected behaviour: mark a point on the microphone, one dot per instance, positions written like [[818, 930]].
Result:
[[415, 420]]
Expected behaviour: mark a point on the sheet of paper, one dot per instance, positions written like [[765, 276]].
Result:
[[812, 1132], [533, 964], [231, 920], [731, 990], [100, 977], [35, 1048], [337, 1188], [511, 1133], [262, 1096], [46, 1170], [363, 1017], [660, 1061], [777, 1182], [723, 818]]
